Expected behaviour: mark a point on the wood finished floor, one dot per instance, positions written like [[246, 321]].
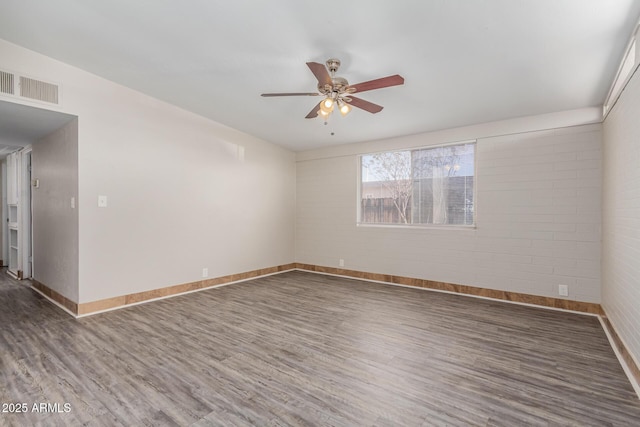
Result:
[[304, 349]]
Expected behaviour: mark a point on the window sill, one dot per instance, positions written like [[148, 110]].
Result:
[[418, 226]]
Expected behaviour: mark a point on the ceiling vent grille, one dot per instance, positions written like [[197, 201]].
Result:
[[6, 83], [36, 89], [19, 86]]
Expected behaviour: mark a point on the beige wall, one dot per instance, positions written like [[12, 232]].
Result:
[[182, 197], [621, 217], [184, 192], [538, 212], [54, 162]]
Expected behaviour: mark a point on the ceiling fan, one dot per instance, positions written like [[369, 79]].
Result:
[[338, 92]]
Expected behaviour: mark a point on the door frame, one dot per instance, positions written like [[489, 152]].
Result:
[[25, 212]]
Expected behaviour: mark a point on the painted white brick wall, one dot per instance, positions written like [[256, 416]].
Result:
[[621, 216], [538, 219]]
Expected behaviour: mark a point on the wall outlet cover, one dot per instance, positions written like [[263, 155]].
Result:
[[563, 290]]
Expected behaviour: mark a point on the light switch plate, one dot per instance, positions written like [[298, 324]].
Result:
[[102, 201]]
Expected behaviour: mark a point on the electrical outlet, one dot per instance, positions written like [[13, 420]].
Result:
[[563, 290], [341, 263], [205, 272]]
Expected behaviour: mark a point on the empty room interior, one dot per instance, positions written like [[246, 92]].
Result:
[[420, 213]]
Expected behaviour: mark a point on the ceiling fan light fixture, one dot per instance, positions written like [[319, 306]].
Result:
[[345, 108], [323, 113], [327, 105]]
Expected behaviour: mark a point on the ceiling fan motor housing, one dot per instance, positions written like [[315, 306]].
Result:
[[338, 85]]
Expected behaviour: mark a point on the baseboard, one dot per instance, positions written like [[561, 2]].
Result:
[[124, 300], [93, 307], [564, 304], [627, 358], [65, 302]]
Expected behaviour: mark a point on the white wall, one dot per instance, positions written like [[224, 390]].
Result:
[[621, 217], [54, 162], [538, 211], [180, 197]]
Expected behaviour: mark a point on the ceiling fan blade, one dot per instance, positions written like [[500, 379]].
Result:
[[394, 80], [365, 105], [291, 94], [321, 73], [313, 113]]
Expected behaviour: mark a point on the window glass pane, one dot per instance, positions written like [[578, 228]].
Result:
[[386, 187], [443, 185], [423, 186]]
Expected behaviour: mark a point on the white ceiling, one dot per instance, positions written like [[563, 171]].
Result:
[[21, 125], [464, 62]]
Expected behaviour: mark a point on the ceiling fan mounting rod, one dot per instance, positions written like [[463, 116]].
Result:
[[333, 65]]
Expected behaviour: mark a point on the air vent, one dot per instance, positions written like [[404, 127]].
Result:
[[35, 89], [17, 85], [6, 83]]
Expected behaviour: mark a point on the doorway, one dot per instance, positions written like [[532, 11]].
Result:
[[20, 126]]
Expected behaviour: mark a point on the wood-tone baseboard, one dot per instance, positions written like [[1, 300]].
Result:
[[124, 300], [585, 307], [622, 349], [55, 296]]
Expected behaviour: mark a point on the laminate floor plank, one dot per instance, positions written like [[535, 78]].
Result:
[[301, 349]]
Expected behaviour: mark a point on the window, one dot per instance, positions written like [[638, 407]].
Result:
[[426, 186]]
